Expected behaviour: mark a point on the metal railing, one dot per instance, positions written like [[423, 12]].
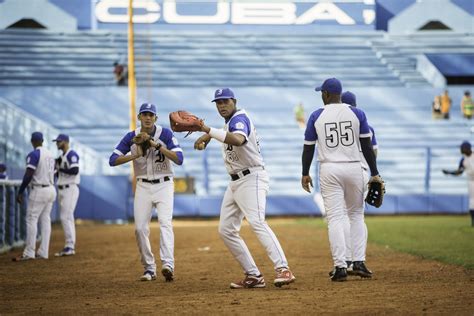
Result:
[[12, 216]]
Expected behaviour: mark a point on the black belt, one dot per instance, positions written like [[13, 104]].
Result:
[[41, 185], [235, 177], [60, 187], [155, 181]]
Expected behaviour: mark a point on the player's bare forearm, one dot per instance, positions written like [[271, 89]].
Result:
[[230, 138], [124, 159], [202, 142]]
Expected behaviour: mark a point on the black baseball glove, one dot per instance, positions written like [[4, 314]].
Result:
[[376, 191]]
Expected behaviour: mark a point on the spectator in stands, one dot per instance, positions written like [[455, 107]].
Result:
[[300, 115], [445, 105], [3, 172], [437, 107], [120, 72], [467, 105]]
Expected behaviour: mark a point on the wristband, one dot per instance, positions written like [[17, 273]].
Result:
[[218, 134]]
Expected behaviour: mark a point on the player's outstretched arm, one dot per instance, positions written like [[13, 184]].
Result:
[[457, 172], [223, 136]]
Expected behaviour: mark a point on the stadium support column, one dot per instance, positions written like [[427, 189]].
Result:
[[131, 79]]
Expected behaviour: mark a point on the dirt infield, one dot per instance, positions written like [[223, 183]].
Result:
[[103, 277]]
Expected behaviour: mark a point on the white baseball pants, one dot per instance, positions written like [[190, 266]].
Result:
[[40, 203], [471, 194], [342, 187], [147, 196], [67, 204], [246, 197], [347, 222]]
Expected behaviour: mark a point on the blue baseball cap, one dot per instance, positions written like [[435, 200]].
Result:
[[3, 166], [224, 93], [349, 98], [62, 138], [466, 145], [147, 107], [331, 85], [37, 136]]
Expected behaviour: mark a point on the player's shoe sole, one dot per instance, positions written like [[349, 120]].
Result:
[[281, 282], [168, 274]]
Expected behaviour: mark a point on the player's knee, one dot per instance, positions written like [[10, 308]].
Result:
[[256, 223], [142, 230], [225, 231], [166, 224]]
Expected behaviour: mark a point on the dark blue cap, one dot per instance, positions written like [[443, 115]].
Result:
[[466, 145], [62, 138], [224, 93], [147, 107], [331, 85], [3, 166], [36, 136], [349, 98]]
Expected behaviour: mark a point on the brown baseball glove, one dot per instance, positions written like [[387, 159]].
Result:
[[183, 121], [143, 140]]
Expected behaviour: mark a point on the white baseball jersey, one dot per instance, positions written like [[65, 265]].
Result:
[[69, 159], [238, 158], [337, 129], [42, 162], [467, 163], [154, 165]]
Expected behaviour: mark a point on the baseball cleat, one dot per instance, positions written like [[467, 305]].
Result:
[[283, 277], [167, 273], [250, 282], [67, 251], [22, 258], [359, 268], [339, 275], [349, 269], [148, 276]]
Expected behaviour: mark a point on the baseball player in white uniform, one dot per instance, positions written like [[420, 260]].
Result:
[[340, 131], [466, 164], [39, 175], [67, 168], [155, 188], [246, 193], [350, 98]]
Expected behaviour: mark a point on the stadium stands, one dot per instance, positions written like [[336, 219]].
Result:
[[176, 59]]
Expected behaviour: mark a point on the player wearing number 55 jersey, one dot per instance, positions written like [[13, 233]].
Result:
[[154, 173], [40, 174], [340, 131], [246, 193]]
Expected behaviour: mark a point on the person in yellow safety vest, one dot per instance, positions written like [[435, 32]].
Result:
[[467, 105]]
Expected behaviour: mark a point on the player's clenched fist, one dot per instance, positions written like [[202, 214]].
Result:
[[201, 142]]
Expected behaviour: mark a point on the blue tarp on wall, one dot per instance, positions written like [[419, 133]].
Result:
[[107, 198]]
